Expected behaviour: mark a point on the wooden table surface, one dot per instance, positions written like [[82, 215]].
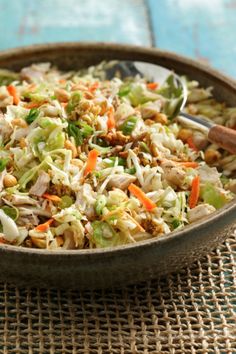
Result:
[[201, 29]]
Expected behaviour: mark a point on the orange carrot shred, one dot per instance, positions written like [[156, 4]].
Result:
[[138, 193], [91, 162], [111, 120], [44, 227], [189, 164], [64, 104], [31, 105], [195, 191], [191, 144], [152, 85], [52, 197], [94, 86], [12, 91]]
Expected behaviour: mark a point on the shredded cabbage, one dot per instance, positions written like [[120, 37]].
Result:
[[87, 162]]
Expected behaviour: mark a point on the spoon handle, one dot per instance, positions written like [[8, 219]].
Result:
[[218, 134], [224, 137]]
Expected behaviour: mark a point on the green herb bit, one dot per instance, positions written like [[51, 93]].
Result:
[[131, 170], [74, 101], [129, 125], [75, 132], [124, 90], [65, 202], [144, 147], [100, 204], [121, 161], [3, 164], [176, 223], [86, 130], [33, 114], [12, 212]]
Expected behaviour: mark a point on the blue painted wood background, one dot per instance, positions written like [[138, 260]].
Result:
[[201, 29]]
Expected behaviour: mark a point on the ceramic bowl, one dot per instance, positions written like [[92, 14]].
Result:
[[87, 269]]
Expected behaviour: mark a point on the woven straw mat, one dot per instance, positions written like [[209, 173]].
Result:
[[189, 312]]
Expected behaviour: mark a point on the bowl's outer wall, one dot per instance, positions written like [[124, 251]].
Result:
[[89, 269]]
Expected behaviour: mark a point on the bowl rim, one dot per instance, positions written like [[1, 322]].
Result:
[[136, 49]]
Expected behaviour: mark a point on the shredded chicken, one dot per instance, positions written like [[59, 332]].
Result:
[[41, 185], [200, 212]]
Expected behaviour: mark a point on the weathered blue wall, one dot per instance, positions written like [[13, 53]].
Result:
[[202, 29]]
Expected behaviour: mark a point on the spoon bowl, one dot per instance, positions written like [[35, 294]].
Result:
[[218, 134]]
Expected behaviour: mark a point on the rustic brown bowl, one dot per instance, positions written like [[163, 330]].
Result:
[[86, 269]]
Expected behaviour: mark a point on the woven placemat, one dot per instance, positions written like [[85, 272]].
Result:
[[190, 312]]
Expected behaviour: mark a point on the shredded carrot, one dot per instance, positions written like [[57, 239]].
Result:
[[111, 120], [152, 85], [64, 104], [62, 81], [91, 162], [44, 227], [31, 105], [189, 164], [52, 197], [94, 86], [195, 191], [12, 91], [138, 193], [191, 144]]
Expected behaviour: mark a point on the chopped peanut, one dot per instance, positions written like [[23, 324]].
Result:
[[160, 118], [38, 242], [19, 123], [62, 95], [9, 181], [148, 121], [22, 143], [184, 134], [69, 146], [212, 156]]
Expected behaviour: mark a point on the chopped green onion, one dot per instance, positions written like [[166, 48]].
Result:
[[86, 130], [100, 204], [74, 101], [12, 212], [65, 202], [33, 114], [129, 125], [121, 161], [176, 223], [224, 179], [3, 163], [124, 90], [131, 170], [74, 131], [144, 147]]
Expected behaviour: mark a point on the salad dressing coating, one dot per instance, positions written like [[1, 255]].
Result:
[[87, 162]]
